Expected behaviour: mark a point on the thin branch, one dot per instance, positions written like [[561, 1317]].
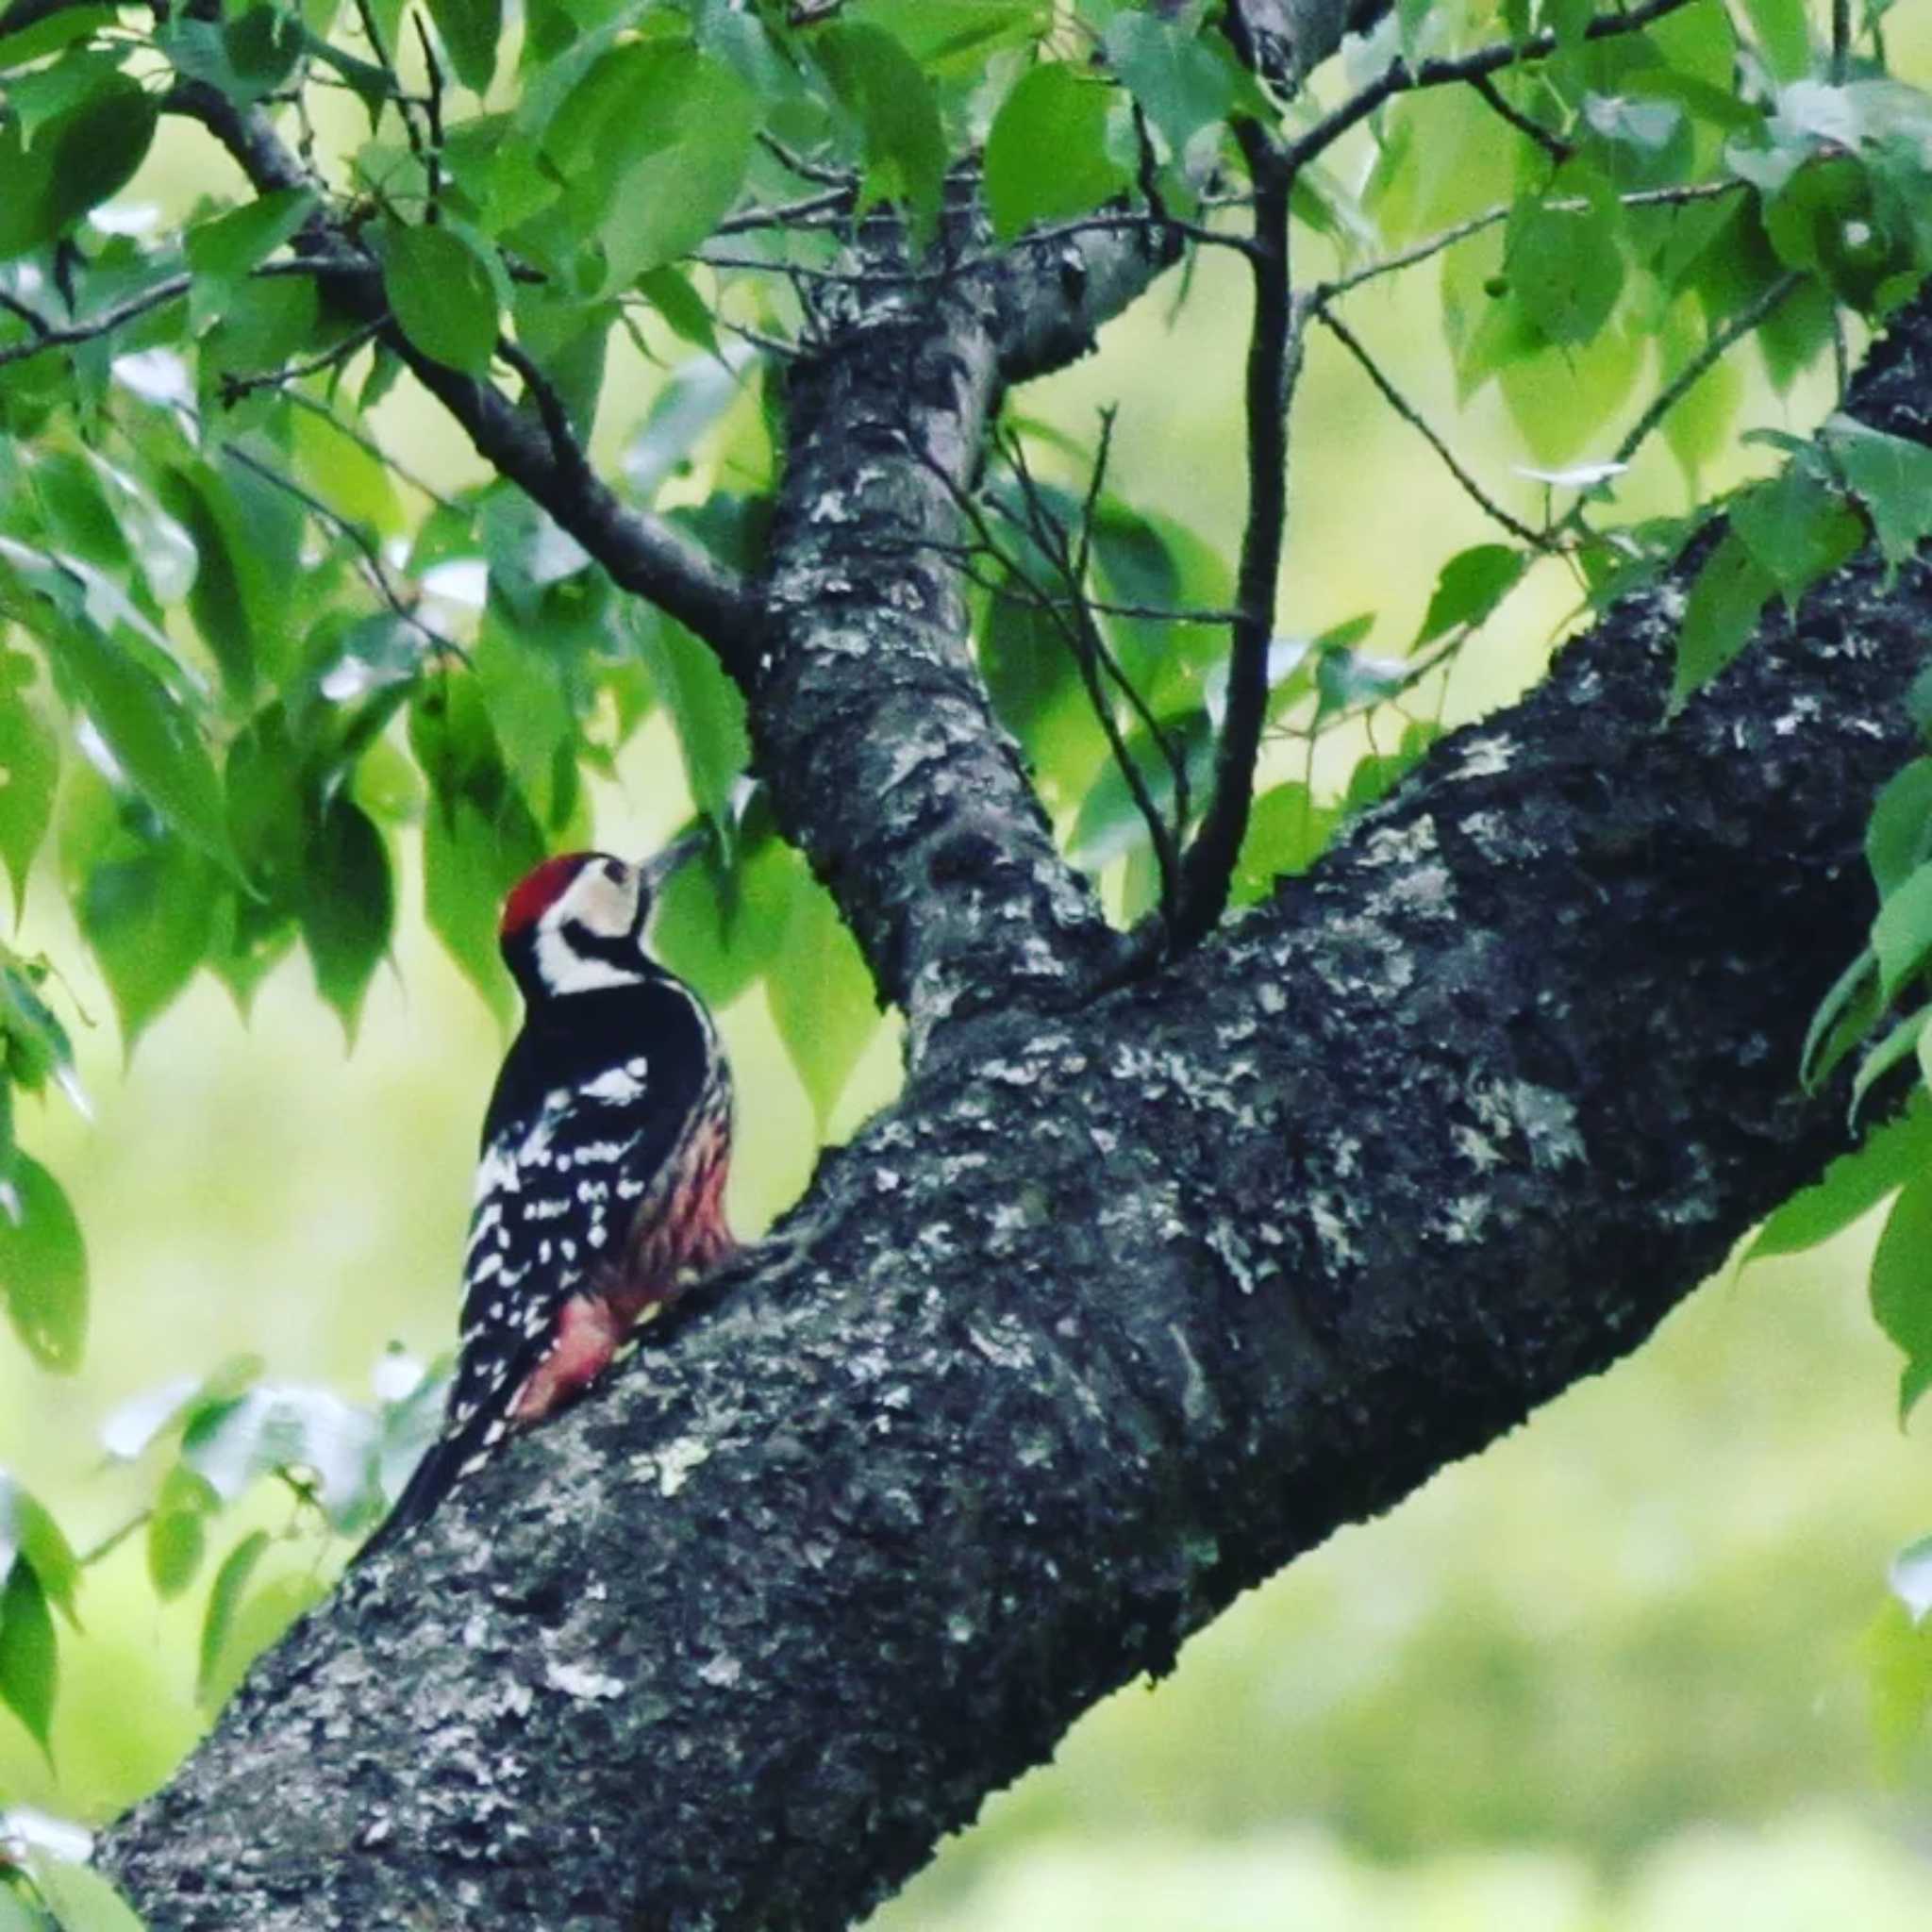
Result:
[[1274, 355], [1475, 225], [808, 170], [49, 335], [1748, 318], [1399, 78], [793, 214], [374, 567], [642, 553], [235, 387], [1413, 417], [1501, 106], [1083, 639], [370, 447], [27, 313]]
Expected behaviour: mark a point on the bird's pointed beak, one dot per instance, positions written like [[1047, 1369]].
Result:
[[658, 869]]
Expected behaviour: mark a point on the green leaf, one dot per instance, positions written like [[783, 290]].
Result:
[[29, 1534], [80, 1899], [1783, 36], [1899, 836], [42, 1267], [1469, 587], [1898, 1047], [91, 151], [16, 1914], [1851, 1187], [670, 201], [224, 1601], [1796, 528], [1046, 153], [346, 906], [1845, 1016], [723, 927], [1287, 832], [470, 30], [26, 45], [1892, 477], [29, 763], [821, 997], [955, 37], [471, 858], [1566, 263], [153, 738], [669, 291], [441, 295], [223, 249], [705, 707], [654, 140], [177, 1531], [193, 496], [29, 1654], [144, 900], [1719, 617], [1901, 933], [1902, 1285], [1181, 85], [884, 90]]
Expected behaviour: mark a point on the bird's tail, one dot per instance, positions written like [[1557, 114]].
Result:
[[433, 1478]]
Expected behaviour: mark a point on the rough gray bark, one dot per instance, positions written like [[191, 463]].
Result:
[[1119, 1310]]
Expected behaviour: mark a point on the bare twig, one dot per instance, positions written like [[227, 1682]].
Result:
[[1413, 417]]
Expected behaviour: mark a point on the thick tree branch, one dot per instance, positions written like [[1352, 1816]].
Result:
[[909, 799], [1111, 1316]]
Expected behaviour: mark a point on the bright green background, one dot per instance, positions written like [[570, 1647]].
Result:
[[1606, 1677]]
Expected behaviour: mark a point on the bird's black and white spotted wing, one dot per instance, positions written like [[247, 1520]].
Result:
[[570, 1143]]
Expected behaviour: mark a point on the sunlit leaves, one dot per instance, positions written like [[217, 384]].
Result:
[[1469, 587], [29, 761], [1901, 1285], [1046, 154], [29, 1656], [1564, 259], [42, 1265]]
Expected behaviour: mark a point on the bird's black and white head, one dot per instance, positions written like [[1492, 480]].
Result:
[[578, 923]]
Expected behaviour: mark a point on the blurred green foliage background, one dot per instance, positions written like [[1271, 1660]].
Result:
[[1609, 1676]]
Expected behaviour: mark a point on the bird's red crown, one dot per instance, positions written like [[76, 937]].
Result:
[[538, 890]]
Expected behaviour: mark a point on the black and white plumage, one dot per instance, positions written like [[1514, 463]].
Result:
[[604, 1157]]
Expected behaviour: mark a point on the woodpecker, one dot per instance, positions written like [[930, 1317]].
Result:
[[599, 1190]]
